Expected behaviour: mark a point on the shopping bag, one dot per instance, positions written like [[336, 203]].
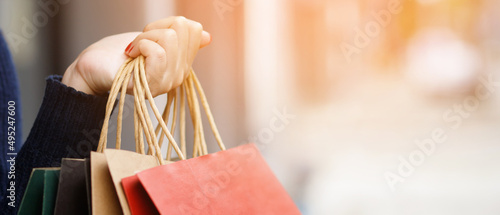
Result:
[[111, 166], [137, 197], [123, 164], [41, 191], [235, 181], [72, 196], [104, 198], [88, 185], [232, 181]]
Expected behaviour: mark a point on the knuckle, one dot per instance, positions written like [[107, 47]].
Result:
[[160, 54], [154, 51], [142, 42], [180, 20], [164, 37], [168, 33], [197, 26], [164, 34]]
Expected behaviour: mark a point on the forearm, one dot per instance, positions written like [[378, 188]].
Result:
[[68, 125]]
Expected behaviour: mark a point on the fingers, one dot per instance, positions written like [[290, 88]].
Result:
[[156, 60], [169, 47], [155, 54], [206, 38], [160, 36], [162, 63], [189, 34], [195, 30], [181, 27]]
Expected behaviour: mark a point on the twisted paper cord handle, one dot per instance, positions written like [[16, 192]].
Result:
[[133, 69]]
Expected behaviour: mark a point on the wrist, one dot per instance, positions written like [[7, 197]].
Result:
[[73, 78]]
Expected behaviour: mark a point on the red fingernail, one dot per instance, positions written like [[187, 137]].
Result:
[[126, 50], [130, 49]]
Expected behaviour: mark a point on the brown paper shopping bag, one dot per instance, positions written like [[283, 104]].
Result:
[[104, 198], [120, 163], [108, 169], [123, 164]]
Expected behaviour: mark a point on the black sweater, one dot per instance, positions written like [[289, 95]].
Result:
[[68, 124]]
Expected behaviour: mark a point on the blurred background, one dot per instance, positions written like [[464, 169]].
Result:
[[359, 107]]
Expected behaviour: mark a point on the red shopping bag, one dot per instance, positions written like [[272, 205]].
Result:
[[235, 181], [137, 198]]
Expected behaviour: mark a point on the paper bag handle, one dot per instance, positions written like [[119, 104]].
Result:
[[142, 122]]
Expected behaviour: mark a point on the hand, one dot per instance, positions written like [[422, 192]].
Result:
[[168, 45]]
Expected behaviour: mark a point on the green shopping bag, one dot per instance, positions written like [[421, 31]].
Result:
[[41, 192]]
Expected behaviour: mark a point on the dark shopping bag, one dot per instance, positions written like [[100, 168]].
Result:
[[40, 194], [72, 196], [88, 184]]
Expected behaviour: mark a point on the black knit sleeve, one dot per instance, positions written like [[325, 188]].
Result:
[[68, 125]]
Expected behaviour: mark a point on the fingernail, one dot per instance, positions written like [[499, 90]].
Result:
[[126, 50], [130, 49]]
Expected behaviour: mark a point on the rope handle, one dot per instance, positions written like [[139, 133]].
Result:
[[134, 69]]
